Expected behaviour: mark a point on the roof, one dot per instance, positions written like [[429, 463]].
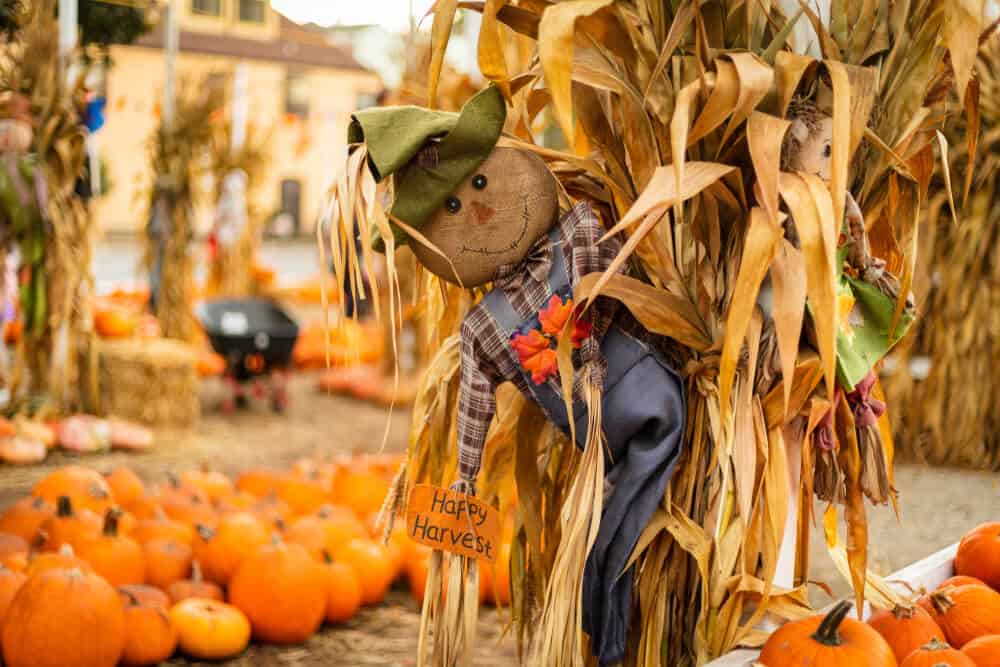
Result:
[[290, 47]]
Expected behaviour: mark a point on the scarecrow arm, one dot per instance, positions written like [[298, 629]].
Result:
[[476, 402]]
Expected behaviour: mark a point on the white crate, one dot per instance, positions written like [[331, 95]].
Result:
[[927, 573]]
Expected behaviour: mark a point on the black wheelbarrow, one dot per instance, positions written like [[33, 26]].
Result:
[[256, 338]]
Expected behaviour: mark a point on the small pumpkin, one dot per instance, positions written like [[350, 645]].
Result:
[[373, 565], [259, 482], [964, 612], [985, 651], [13, 547], [195, 587], [162, 527], [937, 654], [905, 629], [167, 561], [304, 495], [325, 530], [26, 517], [146, 595], [72, 526], [979, 554], [210, 629], [114, 323], [283, 591], [126, 486], [360, 488], [150, 638], [10, 584], [961, 580], [272, 510], [86, 488], [64, 559], [64, 618], [213, 484], [221, 550], [826, 641], [117, 558], [343, 591]]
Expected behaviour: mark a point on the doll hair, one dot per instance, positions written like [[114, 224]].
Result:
[[802, 109]]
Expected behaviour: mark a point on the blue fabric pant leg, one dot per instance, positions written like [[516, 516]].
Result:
[[643, 417]]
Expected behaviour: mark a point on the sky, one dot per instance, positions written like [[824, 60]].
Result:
[[392, 14]]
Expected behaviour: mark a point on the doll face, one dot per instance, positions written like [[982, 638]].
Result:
[[493, 218], [814, 147], [15, 135]]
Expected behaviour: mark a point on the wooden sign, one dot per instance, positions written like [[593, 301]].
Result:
[[453, 522]]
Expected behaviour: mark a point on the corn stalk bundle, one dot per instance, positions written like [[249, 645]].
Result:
[[56, 250], [684, 105], [230, 272], [947, 372], [178, 152]]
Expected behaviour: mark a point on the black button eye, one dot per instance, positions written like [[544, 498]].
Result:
[[453, 205], [827, 152], [479, 182]]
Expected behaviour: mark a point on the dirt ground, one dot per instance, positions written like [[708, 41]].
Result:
[[938, 505]]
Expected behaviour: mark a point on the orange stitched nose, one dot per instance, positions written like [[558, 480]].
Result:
[[482, 212]]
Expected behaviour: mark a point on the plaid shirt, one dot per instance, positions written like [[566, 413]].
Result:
[[487, 357]]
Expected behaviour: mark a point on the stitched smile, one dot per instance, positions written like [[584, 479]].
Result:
[[515, 243]]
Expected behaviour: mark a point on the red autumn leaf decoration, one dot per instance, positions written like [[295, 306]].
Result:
[[536, 355], [555, 315], [582, 328]]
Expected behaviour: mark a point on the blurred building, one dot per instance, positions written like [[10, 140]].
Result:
[[302, 89]]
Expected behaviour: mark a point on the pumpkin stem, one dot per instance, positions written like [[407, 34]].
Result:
[[324, 512], [64, 506], [196, 575], [204, 532], [132, 599], [38, 503], [205, 468], [935, 644], [941, 600], [326, 557], [903, 611], [828, 632], [66, 550], [159, 514], [111, 521], [173, 480]]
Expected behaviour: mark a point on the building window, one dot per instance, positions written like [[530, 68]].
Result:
[[207, 7], [252, 11], [297, 93]]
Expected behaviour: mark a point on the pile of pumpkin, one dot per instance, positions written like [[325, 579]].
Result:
[[26, 441], [101, 569], [955, 625]]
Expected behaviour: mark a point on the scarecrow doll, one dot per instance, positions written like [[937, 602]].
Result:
[[476, 214]]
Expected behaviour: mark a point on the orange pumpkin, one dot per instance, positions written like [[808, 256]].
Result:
[[64, 559], [416, 569], [283, 591], [145, 595], [830, 640], [238, 501], [303, 495], [162, 527], [195, 587], [260, 482], [190, 507], [905, 629], [10, 584], [343, 591], [149, 636], [360, 489], [220, 551], [325, 530], [210, 629], [114, 323], [126, 487], [964, 612], [210, 364], [501, 576], [117, 558], [64, 618], [70, 526], [26, 517], [979, 554], [213, 484], [985, 651], [960, 580], [937, 654], [373, 565], [167, 561], [86, 488], [273, 511]]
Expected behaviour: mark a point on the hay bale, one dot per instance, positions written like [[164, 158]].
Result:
[[154, 381]]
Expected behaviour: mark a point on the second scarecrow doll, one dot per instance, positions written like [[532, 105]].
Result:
[[478, 214]]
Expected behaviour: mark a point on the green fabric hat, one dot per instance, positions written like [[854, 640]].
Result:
[[394, 136]]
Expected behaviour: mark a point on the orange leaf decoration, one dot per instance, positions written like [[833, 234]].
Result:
[[555, 315], [536, 355]]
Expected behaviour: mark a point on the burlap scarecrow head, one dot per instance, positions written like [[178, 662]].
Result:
[[479, 206]]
